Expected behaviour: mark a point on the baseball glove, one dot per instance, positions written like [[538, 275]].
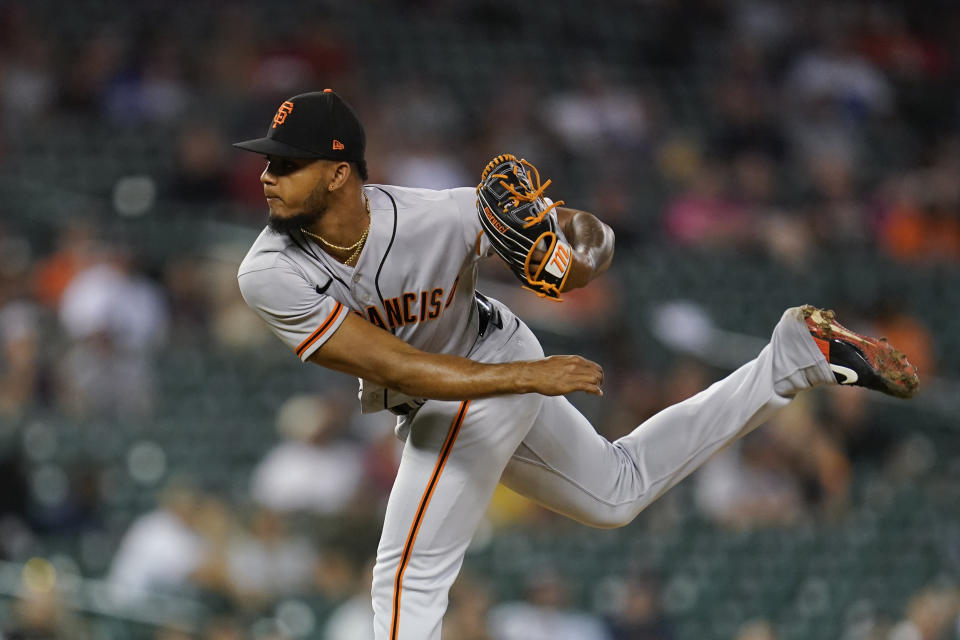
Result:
[[522, 226]]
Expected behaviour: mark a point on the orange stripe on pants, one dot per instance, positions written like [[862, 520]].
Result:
[[421, 511]]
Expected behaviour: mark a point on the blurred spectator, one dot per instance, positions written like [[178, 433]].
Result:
[[756, 630], [115, 318], [380, 461], [748, 485], [228, 58], [15, 536], [637, 614], [282, 70], [323, 45], [201, 175], [77, 249], [88, 70], [171, 633], [778, 473], [512, 122], [111, 298], [598, 114], [921, 217], [40, 614], [223, 628], [932, 614], [186, 285], [19, 349], [231, 323], [835, 210], [467, 612], [831, 91], [755, 182], [28, 85], [903, 329], [269, 561], [427, 166], [850, 417], [612, 201], [746, 102], [890, 43], [545, 614], [423, 125], [785, 235], [704, 215], [66, 499], [161, 549], [353, 618], [635, 397], [313, 469], [217, 527], [420, 110], [835, 72], [766, 24], [154, 90], [508, 509]]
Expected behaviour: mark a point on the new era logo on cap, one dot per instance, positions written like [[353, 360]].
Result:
[[312, 125]]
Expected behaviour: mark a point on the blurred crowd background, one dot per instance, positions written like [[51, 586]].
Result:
[[169, 471]]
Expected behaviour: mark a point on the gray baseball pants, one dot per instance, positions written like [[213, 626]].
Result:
[[543, 448]]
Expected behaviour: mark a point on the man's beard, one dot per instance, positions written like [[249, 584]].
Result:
[[288, 224], [314, 207]]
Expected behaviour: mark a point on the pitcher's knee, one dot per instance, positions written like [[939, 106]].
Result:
[[608, 516], [790, 319]]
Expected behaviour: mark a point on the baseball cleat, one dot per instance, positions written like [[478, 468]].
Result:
[[861, 360]]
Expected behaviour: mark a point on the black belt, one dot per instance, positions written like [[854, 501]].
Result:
[[404, 409], [487, 314]]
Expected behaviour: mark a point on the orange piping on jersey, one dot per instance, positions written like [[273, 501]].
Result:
[[452, 291], [322, 329], [421, 510]]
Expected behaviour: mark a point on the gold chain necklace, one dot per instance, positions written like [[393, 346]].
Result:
[[356, 247]]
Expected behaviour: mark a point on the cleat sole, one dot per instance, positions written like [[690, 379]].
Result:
[[897, 375]]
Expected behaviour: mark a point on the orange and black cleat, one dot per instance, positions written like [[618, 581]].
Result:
[[860, 360]]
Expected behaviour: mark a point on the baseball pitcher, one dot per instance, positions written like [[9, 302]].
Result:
[[378, 282]]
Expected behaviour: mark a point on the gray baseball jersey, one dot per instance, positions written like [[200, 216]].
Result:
[[415, 277], [401, 282]]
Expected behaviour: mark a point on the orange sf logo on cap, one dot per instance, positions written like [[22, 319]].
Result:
[[282, 112]]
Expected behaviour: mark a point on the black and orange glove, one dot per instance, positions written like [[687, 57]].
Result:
[[522, 225]]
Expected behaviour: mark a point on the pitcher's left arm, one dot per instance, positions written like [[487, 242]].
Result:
[[592, 243]]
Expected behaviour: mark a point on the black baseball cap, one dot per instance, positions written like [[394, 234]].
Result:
[[319, 124]]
